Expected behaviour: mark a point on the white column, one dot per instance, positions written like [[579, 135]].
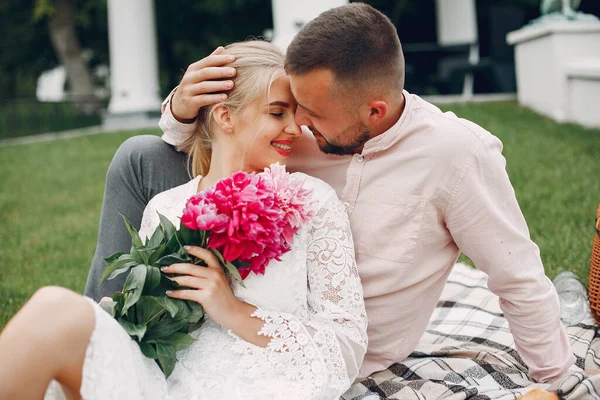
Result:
[[290, 15], [133, 57], [457, 25]]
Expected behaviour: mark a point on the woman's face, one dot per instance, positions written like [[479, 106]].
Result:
[[265, 130]]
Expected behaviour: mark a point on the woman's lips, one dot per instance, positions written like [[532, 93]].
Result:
[[283, 147]]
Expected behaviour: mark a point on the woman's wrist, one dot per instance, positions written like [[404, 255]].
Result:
[[240, 316], [245, 326]]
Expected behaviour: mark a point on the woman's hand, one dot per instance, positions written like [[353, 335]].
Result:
[[208, 286], [202, 84]]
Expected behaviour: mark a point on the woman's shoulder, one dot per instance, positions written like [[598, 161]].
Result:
[[177, 195]]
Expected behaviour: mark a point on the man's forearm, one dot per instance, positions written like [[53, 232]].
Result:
[[175, 132]]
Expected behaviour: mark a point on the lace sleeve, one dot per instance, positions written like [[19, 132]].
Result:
[[329, 347], [150, 221]]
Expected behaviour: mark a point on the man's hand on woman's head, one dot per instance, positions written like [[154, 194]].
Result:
[[202, 85]]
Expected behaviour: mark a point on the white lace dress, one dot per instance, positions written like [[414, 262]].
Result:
[[312, 305]]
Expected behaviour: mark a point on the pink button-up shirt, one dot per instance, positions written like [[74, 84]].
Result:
[[430, 187]]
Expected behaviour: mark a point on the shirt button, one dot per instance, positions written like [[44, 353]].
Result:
[[360, 158], [346, 204]]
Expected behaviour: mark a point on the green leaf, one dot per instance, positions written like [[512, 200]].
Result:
[[114, 257], [157, 254], [192, 327], [148, 350], [165, 328], [157, 237], [152, 278], [124, 262], [179, 340], [229, 266], [173, 245], [185, 235], [167, 225], [173, 259], [133, 329], [164, 285], [118, 298], [165, 353], [196, 312], [135, 237], [139, 256], [134, 285], [122, 270], [169, 304], [148, 310]]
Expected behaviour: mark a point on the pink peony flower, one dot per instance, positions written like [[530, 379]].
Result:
[[251, 217], [202, 214]]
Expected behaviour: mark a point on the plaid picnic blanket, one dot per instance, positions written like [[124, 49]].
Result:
[[468, 352]]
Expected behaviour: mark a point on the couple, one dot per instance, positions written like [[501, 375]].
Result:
[[415, 185]]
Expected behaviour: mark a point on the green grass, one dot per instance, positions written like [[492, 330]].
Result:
[[52, 193], [23, 117], [49, 207]]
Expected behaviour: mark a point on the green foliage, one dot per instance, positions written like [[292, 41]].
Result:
[[157, 322], [42, 9]]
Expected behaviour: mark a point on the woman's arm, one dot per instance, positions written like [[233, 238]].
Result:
[[331, 342]]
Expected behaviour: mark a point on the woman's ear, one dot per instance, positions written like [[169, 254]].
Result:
[[222, 117]]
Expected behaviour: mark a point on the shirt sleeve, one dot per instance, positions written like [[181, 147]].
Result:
[[328, 346], [486, 223], [175, 133]]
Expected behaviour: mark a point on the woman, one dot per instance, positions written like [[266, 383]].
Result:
[[298, 331]]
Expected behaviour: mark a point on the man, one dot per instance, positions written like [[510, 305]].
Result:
[[420, 186]]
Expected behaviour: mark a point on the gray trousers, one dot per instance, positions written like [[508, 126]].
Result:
[[142, 167]]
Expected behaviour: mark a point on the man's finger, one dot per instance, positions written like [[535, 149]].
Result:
[[209, 87], [217, 60], [218, 50], [204, 100], [208, 74]]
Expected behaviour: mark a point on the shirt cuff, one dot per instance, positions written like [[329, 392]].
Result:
[[175, 133]]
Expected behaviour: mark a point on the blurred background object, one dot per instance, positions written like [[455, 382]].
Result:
[[55, 58]]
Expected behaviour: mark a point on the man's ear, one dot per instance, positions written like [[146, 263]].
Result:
[[374, 112], [222, 117]]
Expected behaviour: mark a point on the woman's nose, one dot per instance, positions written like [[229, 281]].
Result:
[[293, 129]]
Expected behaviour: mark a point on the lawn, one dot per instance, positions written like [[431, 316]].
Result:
[[23, 117], [52, 193]]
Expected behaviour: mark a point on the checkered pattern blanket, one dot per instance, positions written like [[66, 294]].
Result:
[[467, 352]]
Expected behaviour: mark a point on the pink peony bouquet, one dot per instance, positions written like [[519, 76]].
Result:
[[246, 220]]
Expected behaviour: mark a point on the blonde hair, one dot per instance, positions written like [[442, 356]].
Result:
[[258, 65]]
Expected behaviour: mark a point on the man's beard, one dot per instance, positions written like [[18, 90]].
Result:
[[361, 136]]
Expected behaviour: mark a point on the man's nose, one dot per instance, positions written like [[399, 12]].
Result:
[[301, 117]]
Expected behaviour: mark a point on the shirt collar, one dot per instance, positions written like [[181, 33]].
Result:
[[388, 138]]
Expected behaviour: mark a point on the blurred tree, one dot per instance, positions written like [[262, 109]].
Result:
[[208, 24], [61, 16], [25, 50]]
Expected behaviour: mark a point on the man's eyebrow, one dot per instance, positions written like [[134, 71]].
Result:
[[308, 110]]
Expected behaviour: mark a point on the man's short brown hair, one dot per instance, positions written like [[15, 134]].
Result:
[[356, 42]]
